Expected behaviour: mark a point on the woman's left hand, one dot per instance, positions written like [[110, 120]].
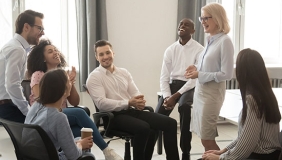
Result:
[[72, 75], [192, 75], [210, 156]]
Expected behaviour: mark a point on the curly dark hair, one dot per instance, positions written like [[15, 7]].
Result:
[[35, 61]]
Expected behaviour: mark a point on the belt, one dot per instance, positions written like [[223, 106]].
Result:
[[177, 82], [4, 101]]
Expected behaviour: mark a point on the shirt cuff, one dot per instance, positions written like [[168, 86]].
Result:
[[124, 104]]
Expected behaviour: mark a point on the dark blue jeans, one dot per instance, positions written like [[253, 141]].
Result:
[[78, 119], [11, 112]]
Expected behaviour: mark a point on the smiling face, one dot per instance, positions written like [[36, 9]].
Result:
[[51, 57], [35, 32], [105, 56], [185, 28], [209, 25]]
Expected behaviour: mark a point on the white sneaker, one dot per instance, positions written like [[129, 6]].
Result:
[[110, 154]]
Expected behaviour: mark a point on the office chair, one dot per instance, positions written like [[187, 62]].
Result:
[[27, 92], [107, 117], [31, 142]]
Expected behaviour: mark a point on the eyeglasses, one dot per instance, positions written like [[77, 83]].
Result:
[[39, 27], [205, 19]]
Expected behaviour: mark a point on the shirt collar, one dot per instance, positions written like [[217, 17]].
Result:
[[214, 37], [188, 43], [23, 42], [105, 71]]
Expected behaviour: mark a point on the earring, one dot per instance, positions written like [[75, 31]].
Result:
[[44, 61]]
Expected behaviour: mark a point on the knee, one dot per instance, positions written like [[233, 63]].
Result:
[[208, 143], [143, 129], [171, 123]]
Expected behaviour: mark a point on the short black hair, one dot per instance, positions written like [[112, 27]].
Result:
[[27, 16]]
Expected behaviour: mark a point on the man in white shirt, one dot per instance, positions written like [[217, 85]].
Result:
[[175, 87], [13, 58], [113, 90]]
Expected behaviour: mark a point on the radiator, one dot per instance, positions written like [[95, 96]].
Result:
[[233, 84]]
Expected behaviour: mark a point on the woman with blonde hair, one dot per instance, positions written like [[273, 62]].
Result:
[[215, 66]]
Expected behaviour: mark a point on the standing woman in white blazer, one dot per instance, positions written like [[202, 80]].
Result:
[[215, 66]]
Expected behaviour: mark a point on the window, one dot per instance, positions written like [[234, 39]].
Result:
[[257, 24], [6, 25], [59, 23]]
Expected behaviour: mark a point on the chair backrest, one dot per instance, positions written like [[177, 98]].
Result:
[[85, 87], [26, 89], [30, 141], [104, 120]]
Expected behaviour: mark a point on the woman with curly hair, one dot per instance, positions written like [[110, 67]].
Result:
[[45, 57]]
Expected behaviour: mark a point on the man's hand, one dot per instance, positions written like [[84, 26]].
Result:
[[170, 102], [137, 102]]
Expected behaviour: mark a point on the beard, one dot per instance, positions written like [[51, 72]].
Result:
[[32, 40]]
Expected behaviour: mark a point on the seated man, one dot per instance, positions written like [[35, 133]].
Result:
[[114, 90]]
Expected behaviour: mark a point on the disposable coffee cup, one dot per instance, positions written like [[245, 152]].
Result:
[[86, 132]]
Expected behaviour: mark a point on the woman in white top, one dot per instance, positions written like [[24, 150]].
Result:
[[258, 136], [215, 66]]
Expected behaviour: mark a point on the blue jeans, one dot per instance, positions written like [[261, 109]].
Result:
[[78, 119], [11, 112]]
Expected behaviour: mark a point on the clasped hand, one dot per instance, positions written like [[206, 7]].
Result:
[[169, 103], [212, 154], [191, 72], [137, 102]]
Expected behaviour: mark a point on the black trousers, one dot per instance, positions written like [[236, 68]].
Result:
[[145, 127], [184, 109], [11, 112]]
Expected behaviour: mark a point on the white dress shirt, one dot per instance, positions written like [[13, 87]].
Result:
[[13, 57], [216, 61], [177, 58], [111, 91]]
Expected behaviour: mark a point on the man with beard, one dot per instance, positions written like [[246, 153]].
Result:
[[113, 90], [175, 87], [13, 58]]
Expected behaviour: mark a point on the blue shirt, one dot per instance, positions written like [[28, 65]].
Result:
[[57, 127], [216, 61], [13, 58]]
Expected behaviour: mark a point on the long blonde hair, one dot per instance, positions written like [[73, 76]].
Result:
[[219, 16]]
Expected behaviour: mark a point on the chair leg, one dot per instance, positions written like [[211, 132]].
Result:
[[127, 155]]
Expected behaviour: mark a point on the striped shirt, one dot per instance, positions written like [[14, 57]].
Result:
[[256, 135]]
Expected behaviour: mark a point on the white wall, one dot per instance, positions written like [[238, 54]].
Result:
[[140, 31]]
